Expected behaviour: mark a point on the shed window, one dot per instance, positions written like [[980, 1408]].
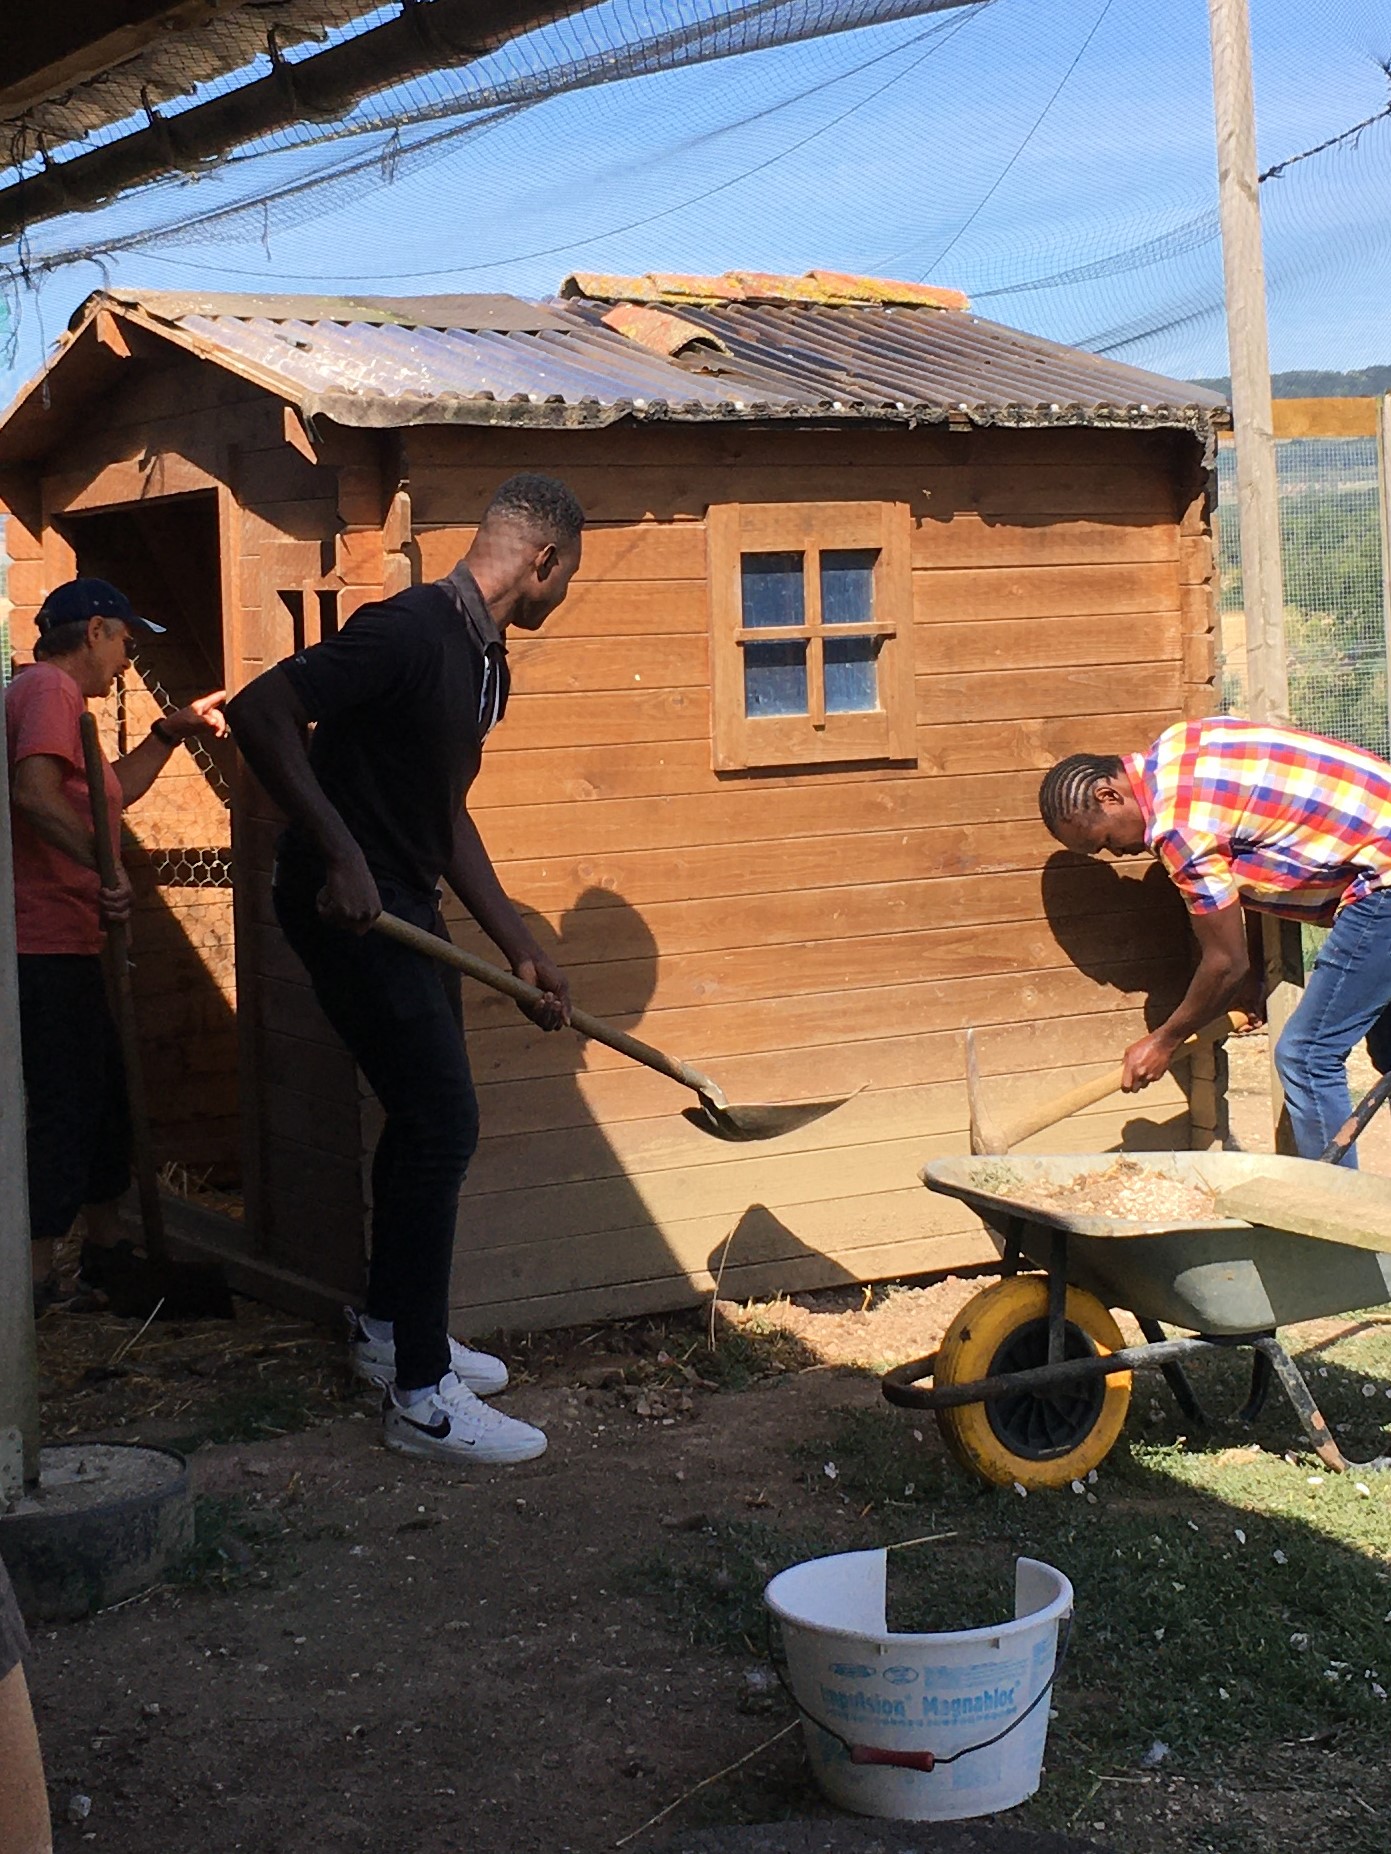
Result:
[[812, 643]]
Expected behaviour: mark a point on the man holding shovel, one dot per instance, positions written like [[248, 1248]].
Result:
[[401, 700], [1285, 823], [78, 1132]]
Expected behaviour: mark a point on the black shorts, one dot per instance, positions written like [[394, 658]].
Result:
[[77, 1119]]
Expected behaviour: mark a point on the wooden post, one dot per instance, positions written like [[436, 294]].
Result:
[[19, 1381], [1258, 497], [1384, 524]]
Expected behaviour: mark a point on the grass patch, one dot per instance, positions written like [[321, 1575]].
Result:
[[234, 1543], [712, 1593], [1232, 1599], [255, 1414]]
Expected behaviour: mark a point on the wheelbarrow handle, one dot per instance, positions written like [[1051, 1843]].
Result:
[[1355, 1125], [447, 954]]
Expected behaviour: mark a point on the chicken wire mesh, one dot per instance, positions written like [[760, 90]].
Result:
[[135, 706], [1335, 599]]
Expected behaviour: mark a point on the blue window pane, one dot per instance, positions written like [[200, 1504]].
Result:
[[847, 585], [775, 679], [772, 587], [852, 684]]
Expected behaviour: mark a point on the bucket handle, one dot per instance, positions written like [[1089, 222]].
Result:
[[901, 1760], [916, 1760]]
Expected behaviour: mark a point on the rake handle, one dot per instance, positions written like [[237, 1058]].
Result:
[[447, 954], [118, 940]]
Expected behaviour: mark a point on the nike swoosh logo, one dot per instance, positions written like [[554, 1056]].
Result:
[[439, 1429]]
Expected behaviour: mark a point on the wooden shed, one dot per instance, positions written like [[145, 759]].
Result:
[[859, 565]]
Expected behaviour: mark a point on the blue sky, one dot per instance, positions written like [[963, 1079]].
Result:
[[987, 149]]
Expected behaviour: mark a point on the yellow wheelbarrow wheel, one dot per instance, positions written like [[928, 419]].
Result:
[[1037, 1439]]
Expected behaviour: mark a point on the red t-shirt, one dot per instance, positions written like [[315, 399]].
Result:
[[56, 907]]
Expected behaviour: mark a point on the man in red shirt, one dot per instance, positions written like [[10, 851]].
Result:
[[78, 1130]]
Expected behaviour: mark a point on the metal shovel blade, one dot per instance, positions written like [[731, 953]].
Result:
[[728, 1122]]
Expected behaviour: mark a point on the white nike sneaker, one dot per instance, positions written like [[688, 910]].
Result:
[[374, 1361], [451, 1424]]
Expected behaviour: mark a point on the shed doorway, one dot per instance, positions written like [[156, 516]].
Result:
[[164, 554]]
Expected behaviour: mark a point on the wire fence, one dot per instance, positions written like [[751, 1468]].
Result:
[[1335, 612], [133, 705]]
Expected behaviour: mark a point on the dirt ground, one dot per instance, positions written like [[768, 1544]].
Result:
[[375, 1654]]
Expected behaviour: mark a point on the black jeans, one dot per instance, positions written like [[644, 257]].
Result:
[[402, 1019], [77, 1123]]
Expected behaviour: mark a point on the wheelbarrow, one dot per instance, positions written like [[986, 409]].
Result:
[[1032, 1381]]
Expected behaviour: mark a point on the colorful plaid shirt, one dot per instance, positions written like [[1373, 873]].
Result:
[[1283, 821]]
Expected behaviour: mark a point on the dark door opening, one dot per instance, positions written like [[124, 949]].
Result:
[[164, 555]]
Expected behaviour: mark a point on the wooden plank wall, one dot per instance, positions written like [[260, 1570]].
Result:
[[813, 934]]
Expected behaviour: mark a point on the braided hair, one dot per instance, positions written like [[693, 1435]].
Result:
[[1069, 786]]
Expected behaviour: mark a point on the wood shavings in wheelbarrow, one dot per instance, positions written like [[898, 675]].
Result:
[[1126, 1190]]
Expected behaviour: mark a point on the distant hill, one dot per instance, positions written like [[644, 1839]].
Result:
[[1364, 383]]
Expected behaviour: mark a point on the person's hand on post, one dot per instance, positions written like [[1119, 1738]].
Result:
[[349, 897], [202, 719], [553, 1011], [115, 903], [1144, 1062], [1250, 1002]]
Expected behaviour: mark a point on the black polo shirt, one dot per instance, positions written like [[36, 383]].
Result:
[[402, 700]]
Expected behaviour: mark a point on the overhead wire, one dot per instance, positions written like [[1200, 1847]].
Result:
[[1014, 158]]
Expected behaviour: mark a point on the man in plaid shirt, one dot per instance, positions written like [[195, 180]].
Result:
[[1243, 815]]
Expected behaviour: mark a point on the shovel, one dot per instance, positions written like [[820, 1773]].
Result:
[[177, 1290], [989, 1135], [715, 1115]]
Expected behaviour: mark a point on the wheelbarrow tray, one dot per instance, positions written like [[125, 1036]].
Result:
[[1218, 1275]]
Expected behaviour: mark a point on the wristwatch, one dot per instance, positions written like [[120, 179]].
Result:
[[161, 733]]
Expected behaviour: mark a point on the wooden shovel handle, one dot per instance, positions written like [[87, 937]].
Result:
[[1088, 1093], [511, 986], [118, 940]]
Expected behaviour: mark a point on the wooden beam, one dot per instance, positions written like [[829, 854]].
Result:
[[49, 50], [429, 36], [1258, 500], [1258, 493], [1383, 406], [1326, 418]]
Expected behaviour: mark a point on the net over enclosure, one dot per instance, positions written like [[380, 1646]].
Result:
[[375, 90], [1333, 520]]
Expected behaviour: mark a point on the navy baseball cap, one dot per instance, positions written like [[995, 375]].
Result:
[[81, 599]]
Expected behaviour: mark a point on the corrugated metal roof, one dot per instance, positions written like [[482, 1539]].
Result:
[[497, 360]]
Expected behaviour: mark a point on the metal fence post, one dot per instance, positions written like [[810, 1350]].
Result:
[[19, 1390]]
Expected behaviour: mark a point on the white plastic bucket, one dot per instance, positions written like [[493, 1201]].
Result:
[[863, 1691]]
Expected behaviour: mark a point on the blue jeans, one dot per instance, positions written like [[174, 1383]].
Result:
[[1347, 996]]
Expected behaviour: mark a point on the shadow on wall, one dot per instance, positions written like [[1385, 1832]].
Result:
[[559, 1204], [1127, 931]]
